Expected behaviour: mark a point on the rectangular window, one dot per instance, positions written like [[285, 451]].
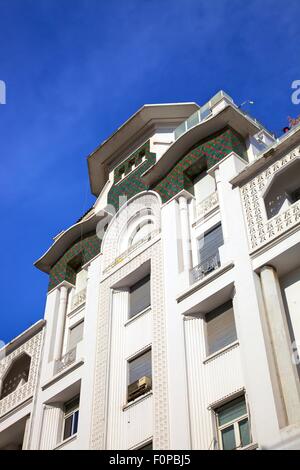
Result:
[[204, 186], [139, 296], [209, 244], [139, 375], [220, 328], [233, 424], [71, 418], [75, 335]]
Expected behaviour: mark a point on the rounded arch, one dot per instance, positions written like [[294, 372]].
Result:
[[283, 189], [140, 214], [16, 374]]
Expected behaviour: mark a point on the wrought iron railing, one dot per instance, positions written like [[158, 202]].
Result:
[[205, 268], [65, 361]]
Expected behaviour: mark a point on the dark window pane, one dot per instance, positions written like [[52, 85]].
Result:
[[228, 439], [244, 432], [139, 296], [148, 446], [209, 244], [140, 367], [68, 427], [75, 421], [232, 411], [220, 328]]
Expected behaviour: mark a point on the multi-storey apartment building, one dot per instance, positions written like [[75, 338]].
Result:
[[172, 314]]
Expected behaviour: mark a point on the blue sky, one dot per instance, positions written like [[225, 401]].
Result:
[[77, 69]]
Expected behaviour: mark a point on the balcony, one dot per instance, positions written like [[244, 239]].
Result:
[[66, 360], [205, 268], [202, 114], [78, 299], [207, 205]]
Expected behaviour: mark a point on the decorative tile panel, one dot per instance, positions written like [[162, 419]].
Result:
[[260, 229], [32, 347], [159, 353]]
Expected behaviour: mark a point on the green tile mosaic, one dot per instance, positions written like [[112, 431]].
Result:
[[89, 246]]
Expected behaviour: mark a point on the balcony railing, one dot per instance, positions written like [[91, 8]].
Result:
[[205, 268], [78, 299], [207, 205], [65, 361]]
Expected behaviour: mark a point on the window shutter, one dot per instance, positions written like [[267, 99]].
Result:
[[139, 296], [76, 335], [140, 367], [209, 244], [204, 186], [221, 329]]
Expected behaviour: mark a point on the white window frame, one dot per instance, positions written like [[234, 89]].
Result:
[[235, 424], [67, 415]]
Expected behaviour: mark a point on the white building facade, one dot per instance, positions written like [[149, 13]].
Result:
[[172, 318]]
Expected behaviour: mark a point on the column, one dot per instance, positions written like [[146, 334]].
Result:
[[60, 329], [185, 232], [281, 344]]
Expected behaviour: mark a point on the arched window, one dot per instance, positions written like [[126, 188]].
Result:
[[141, 231], [16, 375], [284, 190]]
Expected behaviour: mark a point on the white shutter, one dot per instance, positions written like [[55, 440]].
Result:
[[81, 278], [220, 328], [204, 186], [75, 335]]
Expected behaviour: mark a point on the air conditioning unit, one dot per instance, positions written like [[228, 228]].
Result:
[[139, 387]]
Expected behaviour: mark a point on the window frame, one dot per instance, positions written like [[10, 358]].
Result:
[[131, 359], [233, 423], [131, 316], [67, 414]]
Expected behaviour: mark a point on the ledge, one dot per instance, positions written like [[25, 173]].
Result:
[[137, 316], [221, 352], [206, 280], [64, 372], [137, 400], [66, 441]]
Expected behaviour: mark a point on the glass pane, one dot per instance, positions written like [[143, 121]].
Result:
[[232, 411], [228, 439], [75, 335], [140, 367], [220, 326], [244, 432], [75, 422], [146, 447], [209, 244], [68, 427], [139, 296]]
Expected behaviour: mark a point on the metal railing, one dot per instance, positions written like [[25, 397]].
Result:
[[205, 268], [65, 361]]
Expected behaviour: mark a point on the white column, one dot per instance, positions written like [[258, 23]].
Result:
[[185, 232], [26, 434], [60, 329], [281, 344]]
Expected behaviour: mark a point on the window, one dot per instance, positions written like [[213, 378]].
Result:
[[139, 375], [208, 245], [148, 446], [233, 424], [16, 376], [71, 418], [81, 279], [220, 328], [139, 296], [75, 335]]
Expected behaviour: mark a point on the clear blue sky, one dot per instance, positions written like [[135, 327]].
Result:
[[76, 69]]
